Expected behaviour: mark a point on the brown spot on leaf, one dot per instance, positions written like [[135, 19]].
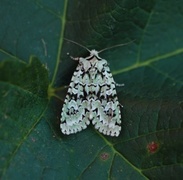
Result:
[[153, 147], [104, 156]]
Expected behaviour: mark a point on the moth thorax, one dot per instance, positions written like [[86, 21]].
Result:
[[94, 52]]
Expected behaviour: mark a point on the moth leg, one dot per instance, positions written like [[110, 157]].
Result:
[[120, 85], [73, 58], [121, 105], [117, 84], [66, 86]]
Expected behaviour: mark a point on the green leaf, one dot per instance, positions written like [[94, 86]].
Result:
[[32, 92], [23, 94]]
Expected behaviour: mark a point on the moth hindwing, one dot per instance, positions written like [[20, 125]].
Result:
[[91, 97]]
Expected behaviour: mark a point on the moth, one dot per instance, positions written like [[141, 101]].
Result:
[[91, 97]]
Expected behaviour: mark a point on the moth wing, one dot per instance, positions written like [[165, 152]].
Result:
[[73, 116], [108, 119]]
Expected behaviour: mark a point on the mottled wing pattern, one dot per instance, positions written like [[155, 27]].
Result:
[[73, 116], [92, 98]]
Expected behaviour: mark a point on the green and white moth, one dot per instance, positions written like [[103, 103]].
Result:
[[91, 97]]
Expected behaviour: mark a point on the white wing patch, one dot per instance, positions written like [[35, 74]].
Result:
[[91, 97]]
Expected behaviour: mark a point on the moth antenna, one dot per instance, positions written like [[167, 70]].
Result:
[[77, 44], [117, 45]]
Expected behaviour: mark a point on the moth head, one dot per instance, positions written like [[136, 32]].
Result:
[[93, 53]]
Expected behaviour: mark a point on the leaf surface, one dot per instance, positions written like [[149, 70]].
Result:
[[32, 88]]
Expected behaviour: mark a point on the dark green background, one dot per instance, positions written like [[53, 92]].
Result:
[[35, 67]]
